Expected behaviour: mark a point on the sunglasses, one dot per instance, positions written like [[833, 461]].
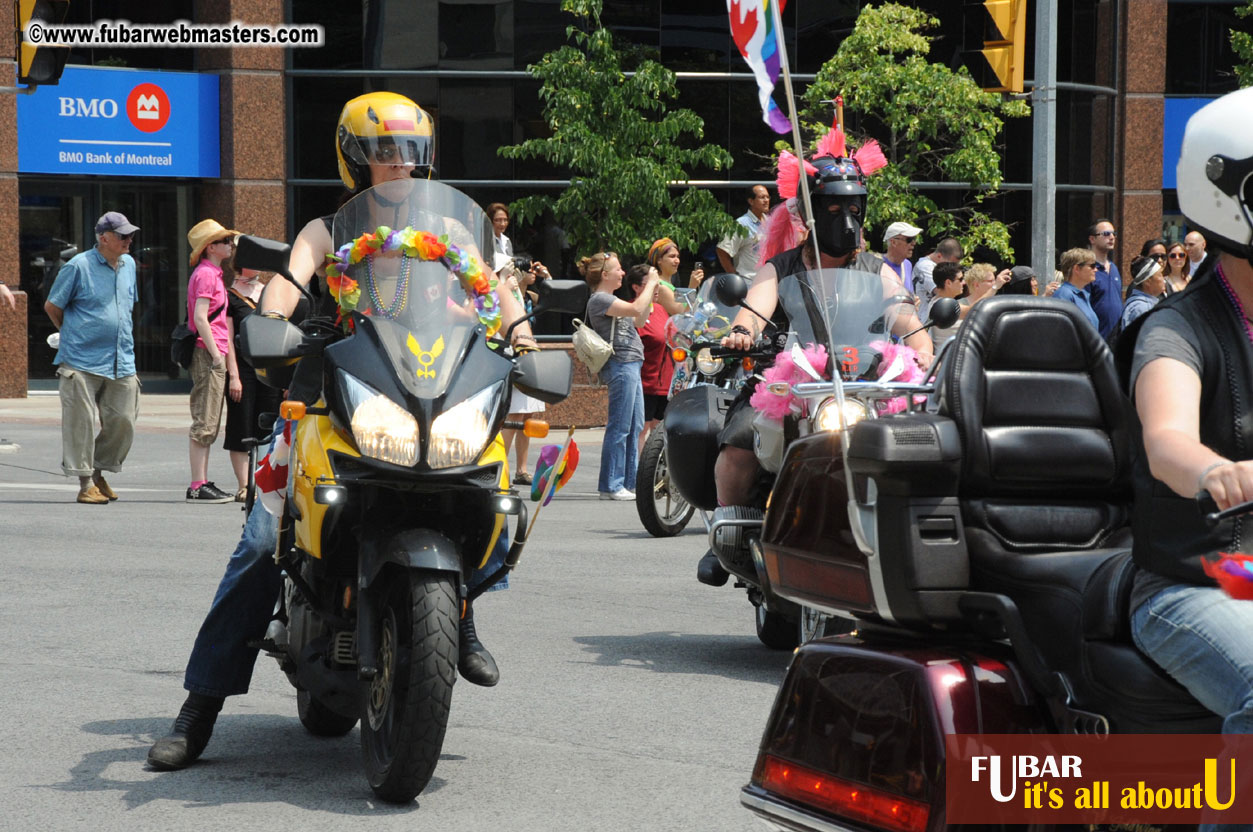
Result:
[[124, 236], [1107, 233], [907, 240], [386, 154], [1158, 257], [1091, 265], [226, 242], [1177, 255]]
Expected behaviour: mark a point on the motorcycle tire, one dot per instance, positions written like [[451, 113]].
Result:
[[320, 720], [778, 632], [662, 511], [405, 707]]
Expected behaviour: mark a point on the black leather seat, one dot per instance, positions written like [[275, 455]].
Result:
[[1045, 494]]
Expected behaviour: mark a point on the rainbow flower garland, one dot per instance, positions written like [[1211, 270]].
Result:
[[420, 245]]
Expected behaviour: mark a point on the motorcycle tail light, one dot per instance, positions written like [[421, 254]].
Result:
[[841, 797]]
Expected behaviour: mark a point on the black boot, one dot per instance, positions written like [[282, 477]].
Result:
[[709, 571], [475, 664], [191, 733]]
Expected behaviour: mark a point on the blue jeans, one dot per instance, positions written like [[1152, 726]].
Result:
[[626, 419], [1200, 636], [221, 662]]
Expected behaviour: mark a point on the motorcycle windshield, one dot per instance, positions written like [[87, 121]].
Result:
[[412, 257], [852, 314]]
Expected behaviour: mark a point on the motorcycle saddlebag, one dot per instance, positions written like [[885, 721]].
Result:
[[694, 417]]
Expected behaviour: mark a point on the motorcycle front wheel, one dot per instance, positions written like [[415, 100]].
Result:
[[662, 511], [405, 713]]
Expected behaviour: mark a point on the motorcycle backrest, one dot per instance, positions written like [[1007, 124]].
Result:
[[545, 374]]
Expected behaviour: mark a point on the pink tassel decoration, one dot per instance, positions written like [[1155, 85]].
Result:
[[911, 374], [870, 157], [788, 175], [783, 231], [832, 144], [775, 406]]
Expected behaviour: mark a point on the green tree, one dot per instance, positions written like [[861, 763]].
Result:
[[1242, 45], [934, 123], [622, 146]]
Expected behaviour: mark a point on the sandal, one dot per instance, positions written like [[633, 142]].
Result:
[[523, 478]]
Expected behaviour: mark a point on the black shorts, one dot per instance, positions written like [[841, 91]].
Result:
[[738, 430], [654, 407]]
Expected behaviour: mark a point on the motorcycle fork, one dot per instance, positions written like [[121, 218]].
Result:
[[367, 635]]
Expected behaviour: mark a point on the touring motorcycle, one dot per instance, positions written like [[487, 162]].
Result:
[[981, 541], [398, 487]]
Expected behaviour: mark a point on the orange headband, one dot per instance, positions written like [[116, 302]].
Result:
[[654, 252]]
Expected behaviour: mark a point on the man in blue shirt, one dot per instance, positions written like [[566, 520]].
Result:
[[1106, 290], [91, 304]]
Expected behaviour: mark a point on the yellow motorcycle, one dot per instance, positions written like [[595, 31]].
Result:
[[397, 488]]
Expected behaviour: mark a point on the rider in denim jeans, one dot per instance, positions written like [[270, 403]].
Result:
[[1191, 378], [616, 320]]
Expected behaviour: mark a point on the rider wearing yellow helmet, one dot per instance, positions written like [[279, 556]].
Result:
[[381, 137]]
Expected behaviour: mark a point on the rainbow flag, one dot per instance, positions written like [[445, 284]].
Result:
[[752, 29]]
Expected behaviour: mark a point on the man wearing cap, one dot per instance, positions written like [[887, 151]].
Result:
[[211, 245], [90, 304], [899, 240]]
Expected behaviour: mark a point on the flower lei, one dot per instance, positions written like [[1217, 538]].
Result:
[[420, 245]]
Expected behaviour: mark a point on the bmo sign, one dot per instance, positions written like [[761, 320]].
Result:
[[121, 122]]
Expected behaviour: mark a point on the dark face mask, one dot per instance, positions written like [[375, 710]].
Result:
[[838, 229]]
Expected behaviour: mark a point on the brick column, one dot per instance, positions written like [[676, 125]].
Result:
[[251, 192], [12, 323], [1138, 206]]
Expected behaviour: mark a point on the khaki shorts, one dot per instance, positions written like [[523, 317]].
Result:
[[208, 386]]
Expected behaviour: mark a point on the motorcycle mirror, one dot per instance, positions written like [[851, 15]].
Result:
[[545, 374], [266, 256], [944, 313], [730, 289]]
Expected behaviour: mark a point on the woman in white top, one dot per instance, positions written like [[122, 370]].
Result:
[[498, 213]]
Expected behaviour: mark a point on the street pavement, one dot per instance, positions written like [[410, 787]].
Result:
[[631, 698]]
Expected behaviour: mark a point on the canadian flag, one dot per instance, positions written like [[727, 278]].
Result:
[[271, 473]]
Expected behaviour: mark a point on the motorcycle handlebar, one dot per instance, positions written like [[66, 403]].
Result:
[[1213, 516]]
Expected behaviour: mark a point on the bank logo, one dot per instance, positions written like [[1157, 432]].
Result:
[[148, 107]]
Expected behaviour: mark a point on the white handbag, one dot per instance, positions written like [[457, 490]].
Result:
[[591, 349]]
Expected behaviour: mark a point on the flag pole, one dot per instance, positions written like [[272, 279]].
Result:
[[798, 148]]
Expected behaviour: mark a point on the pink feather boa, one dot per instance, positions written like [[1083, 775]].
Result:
[[775, 406], [911, 373]]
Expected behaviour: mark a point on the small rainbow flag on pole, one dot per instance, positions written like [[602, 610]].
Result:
[[754, 33]]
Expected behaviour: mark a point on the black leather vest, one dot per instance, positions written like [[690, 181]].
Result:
[[1170, 533]]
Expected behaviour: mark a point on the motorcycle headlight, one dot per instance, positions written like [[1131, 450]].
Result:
[[828, 415], [706, 363], [459, 435], [381, 428]]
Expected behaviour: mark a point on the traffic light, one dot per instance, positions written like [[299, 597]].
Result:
[[39, 64], [996, 40]]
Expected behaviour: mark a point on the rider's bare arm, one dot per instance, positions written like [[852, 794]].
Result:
[[763, 296], [1168, 400], [308, 254]]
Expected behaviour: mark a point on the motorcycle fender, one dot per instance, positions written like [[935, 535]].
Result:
[[315, 436], [410, 549]]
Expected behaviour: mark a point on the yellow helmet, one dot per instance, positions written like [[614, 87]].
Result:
[[383, 127]]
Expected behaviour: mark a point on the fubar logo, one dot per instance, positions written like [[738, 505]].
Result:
[[148, 107]]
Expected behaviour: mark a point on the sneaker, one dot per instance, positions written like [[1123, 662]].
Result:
[[620, 494], [209, 493]]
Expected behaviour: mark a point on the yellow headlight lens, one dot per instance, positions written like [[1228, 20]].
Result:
[[828, 415], [384, 430], [459, 435]]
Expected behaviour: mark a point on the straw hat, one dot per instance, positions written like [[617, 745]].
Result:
[[205, 232]]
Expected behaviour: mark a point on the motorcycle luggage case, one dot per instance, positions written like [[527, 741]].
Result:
[[694, 417], [868, 715]]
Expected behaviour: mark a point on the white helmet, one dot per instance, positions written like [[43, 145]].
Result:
[[1215, 172]]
